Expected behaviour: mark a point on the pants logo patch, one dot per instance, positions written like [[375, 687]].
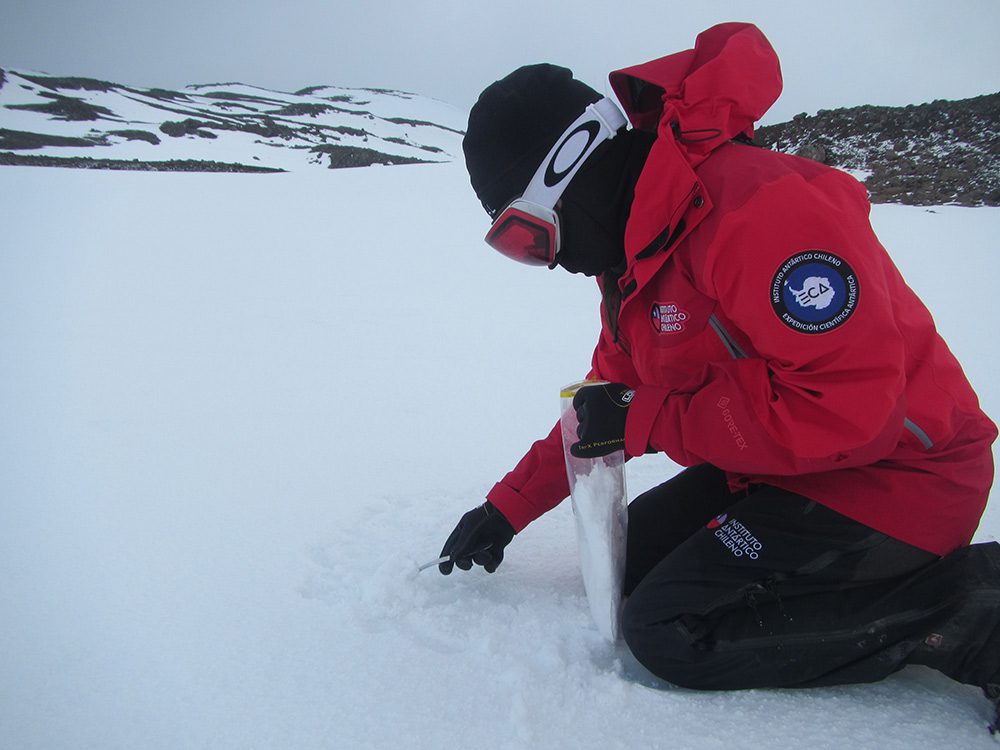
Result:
[[737, 538]]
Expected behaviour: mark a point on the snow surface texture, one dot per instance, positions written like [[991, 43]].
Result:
[[600, 506], [239, 409]]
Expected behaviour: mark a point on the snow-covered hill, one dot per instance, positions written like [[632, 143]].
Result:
[[237, 413], [65, 121], [929, 154]]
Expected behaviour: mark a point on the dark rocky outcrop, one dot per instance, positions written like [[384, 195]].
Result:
[[354, 156], [19, 139], [928, 154], [136, 135], [68, 108], [72, 83], [135, 165], [190, 126]]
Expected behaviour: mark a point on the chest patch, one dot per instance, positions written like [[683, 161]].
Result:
[[668, 317], [814, 292]]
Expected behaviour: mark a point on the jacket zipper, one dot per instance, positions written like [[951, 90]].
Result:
[[922, 436], [735, 350], [875, 629]]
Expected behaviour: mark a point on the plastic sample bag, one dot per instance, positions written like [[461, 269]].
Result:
[[600, 506]]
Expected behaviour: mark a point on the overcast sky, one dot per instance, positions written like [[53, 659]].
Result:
[[833, 53]]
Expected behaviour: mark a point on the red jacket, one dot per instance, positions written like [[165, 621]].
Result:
[[763, 326]]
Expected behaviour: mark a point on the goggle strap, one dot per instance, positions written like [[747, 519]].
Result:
[[609, 119], [608, 113]]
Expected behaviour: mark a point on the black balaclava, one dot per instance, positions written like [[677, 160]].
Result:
[[595, 206], [512, 127]]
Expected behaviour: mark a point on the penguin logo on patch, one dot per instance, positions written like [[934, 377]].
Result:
[[814, 292]]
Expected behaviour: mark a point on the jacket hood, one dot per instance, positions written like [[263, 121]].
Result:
[[708, 94], [694, 101]]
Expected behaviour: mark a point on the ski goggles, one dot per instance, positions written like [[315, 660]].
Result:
[[527, 229]]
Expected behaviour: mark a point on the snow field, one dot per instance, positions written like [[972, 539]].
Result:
[[239, 410]]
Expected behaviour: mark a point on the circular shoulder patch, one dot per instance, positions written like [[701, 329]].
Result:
[[814, 292]]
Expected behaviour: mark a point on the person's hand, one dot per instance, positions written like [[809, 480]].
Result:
[[479, 538], [601, 410]]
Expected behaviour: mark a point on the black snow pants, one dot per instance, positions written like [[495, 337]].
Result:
[[769, 589]]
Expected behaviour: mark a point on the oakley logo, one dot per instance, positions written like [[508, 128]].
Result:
[[552, 177]]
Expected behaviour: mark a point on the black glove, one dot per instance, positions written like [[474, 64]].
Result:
[[479, 538], [602, 410]]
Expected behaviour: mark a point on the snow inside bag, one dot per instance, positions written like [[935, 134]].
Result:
[[600, 506]]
